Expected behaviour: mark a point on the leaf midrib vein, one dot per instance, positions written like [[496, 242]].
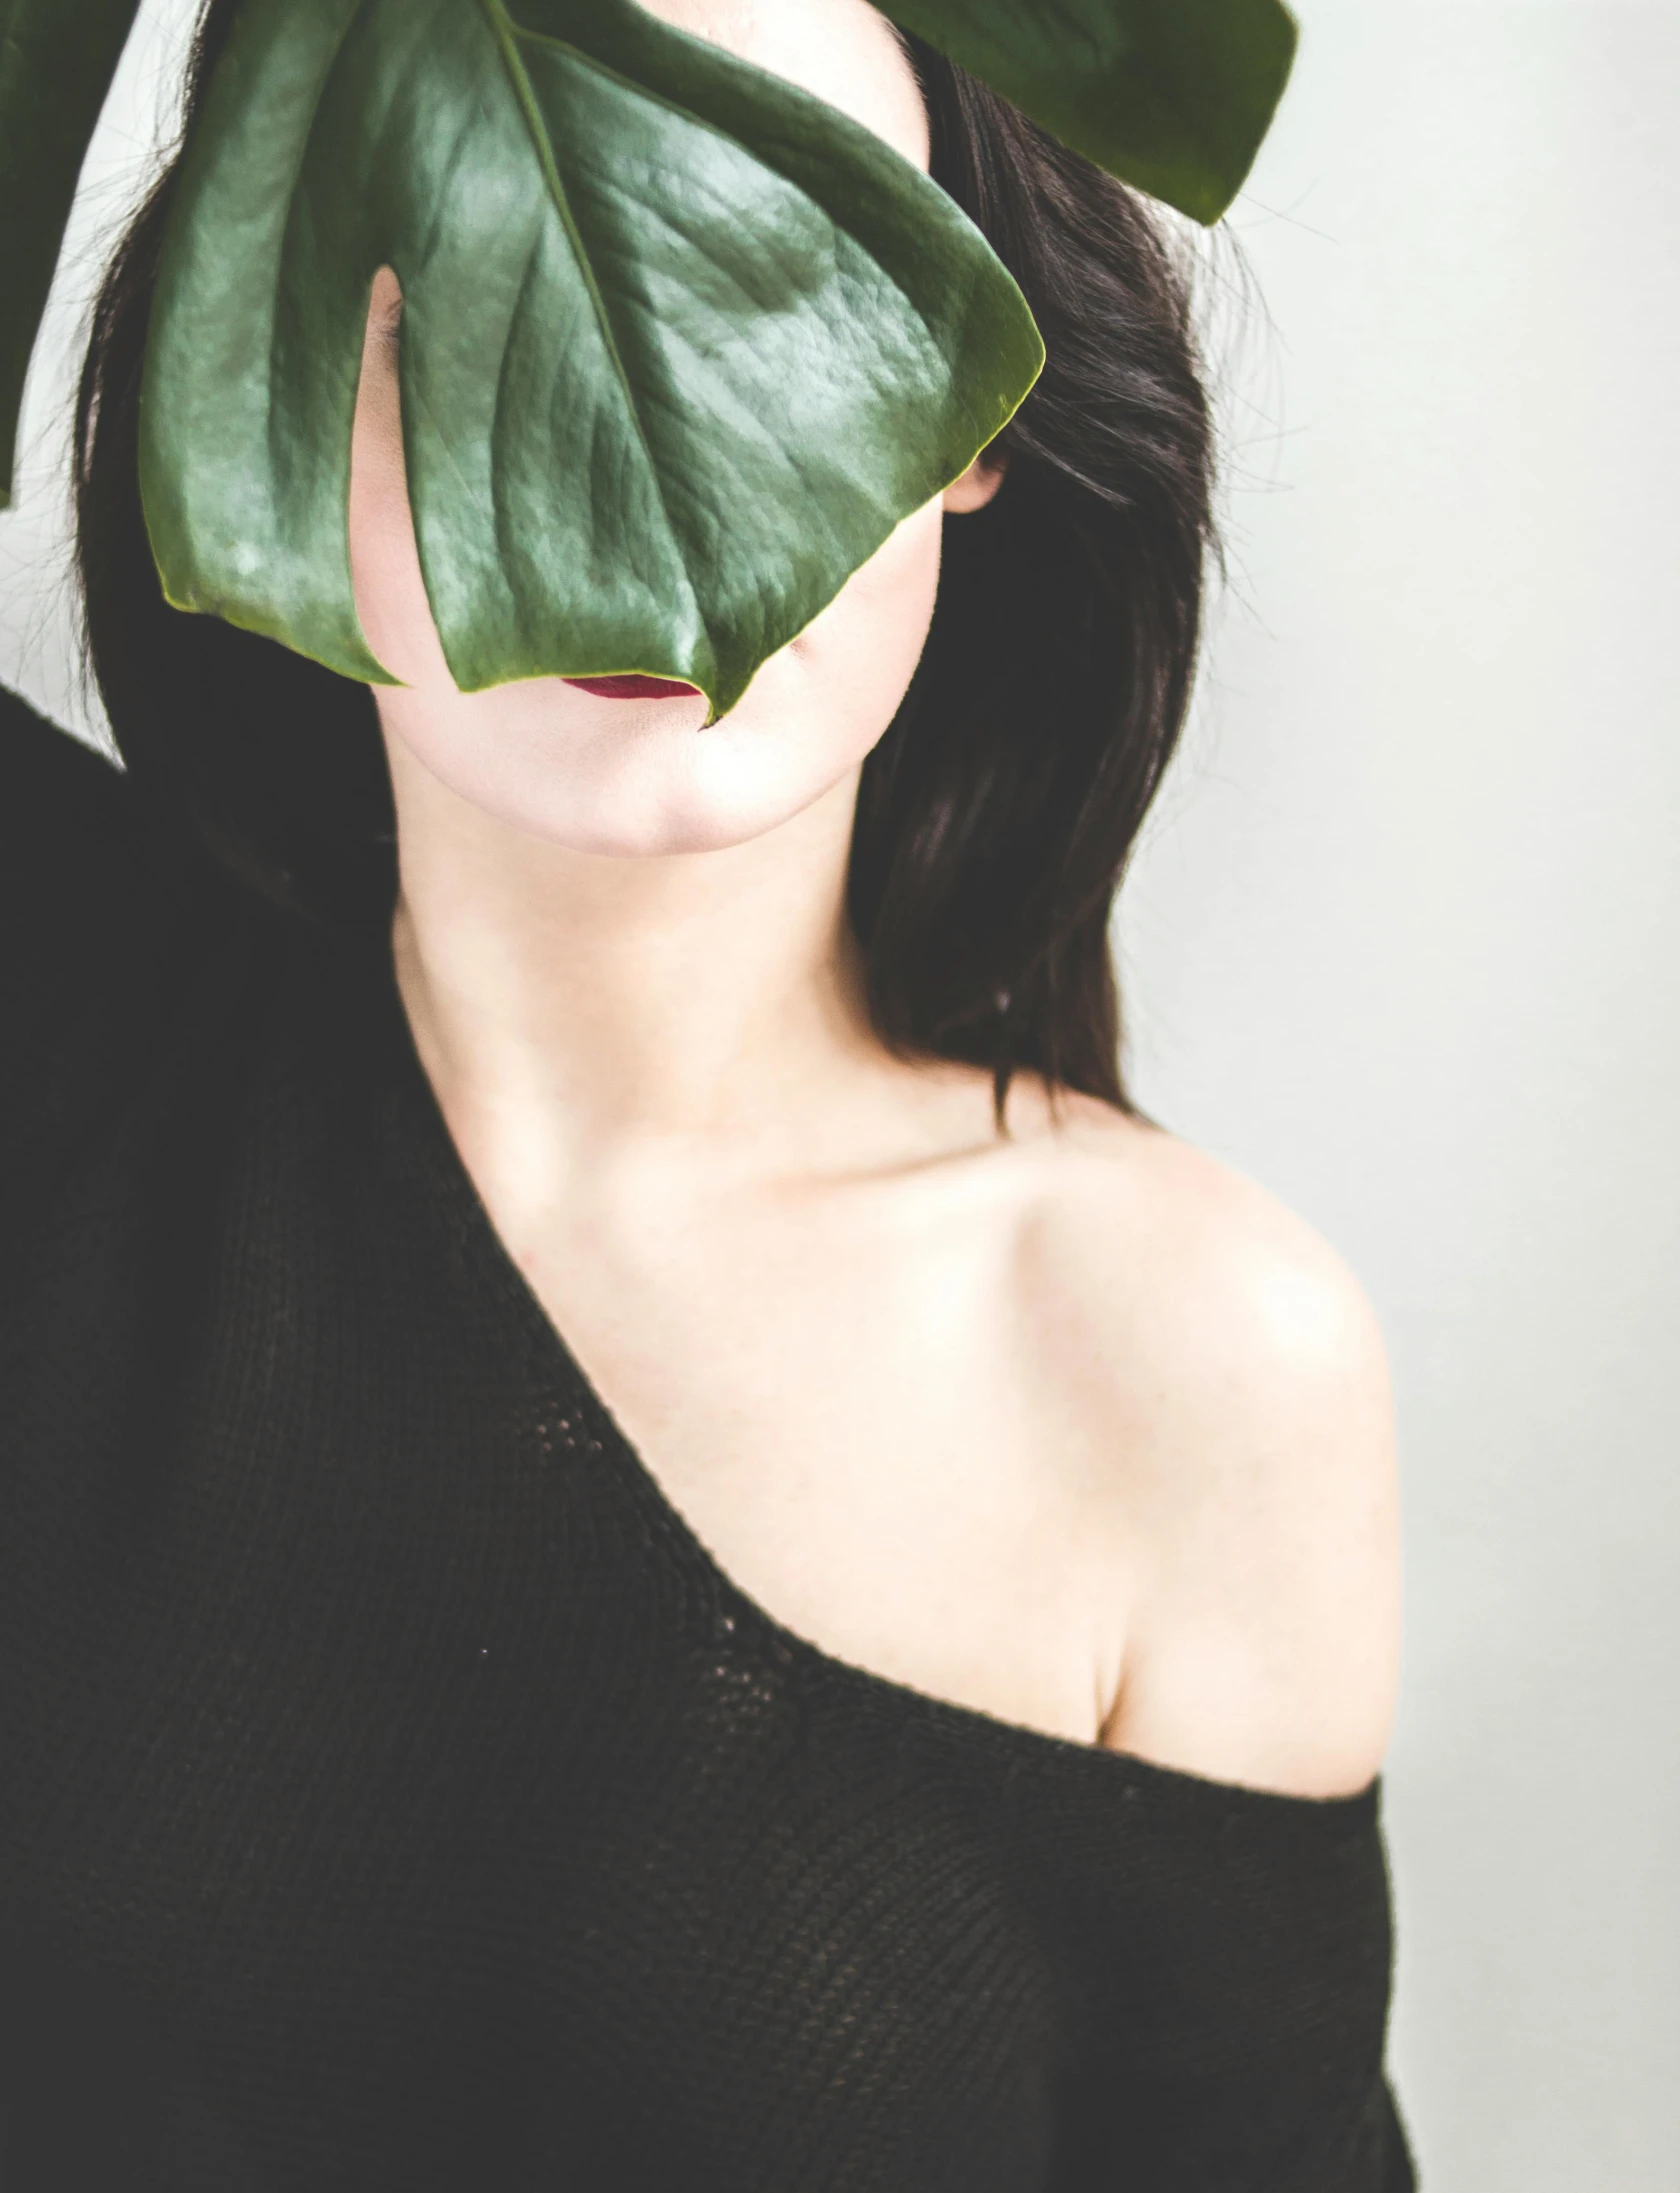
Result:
[[508, 34]]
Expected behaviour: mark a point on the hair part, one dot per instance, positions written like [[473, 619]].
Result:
[[997, 815]]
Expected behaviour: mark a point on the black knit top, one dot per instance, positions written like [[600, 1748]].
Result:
[[395, 1794]]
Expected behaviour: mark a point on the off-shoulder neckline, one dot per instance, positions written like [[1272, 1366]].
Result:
[[1020, 1742]]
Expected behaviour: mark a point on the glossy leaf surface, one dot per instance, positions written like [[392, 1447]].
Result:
[[57, 59], [1173, 96], [681, 346]]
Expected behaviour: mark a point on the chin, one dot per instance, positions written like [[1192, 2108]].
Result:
[[617, 781], [635, 831]]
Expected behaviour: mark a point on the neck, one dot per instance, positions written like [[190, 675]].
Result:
[[698, 1000]]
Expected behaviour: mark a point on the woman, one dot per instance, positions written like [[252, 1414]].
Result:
[[652, 1539]]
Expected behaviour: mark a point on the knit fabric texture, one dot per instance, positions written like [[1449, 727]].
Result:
[[396, 1794]]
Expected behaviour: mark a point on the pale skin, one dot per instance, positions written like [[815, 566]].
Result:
[[1077, 1428]]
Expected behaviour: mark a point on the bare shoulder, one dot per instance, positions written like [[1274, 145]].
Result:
[[1231, 1385]]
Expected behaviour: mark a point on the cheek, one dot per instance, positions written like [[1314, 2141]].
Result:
[[856, 659], [385, 574]]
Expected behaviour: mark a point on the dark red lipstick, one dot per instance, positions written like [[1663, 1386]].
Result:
[[634, 688]]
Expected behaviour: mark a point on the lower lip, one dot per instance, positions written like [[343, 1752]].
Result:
[[635, 689]]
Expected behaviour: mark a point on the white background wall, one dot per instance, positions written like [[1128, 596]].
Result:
[[1406, 945], [1401, 945]]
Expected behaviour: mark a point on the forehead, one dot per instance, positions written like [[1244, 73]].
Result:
[[844, 51]]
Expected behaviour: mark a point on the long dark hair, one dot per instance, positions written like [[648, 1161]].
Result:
[[996, 816]]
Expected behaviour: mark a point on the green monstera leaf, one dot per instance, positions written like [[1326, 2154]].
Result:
[[57, 59], [681, 344], [1173, 96]]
